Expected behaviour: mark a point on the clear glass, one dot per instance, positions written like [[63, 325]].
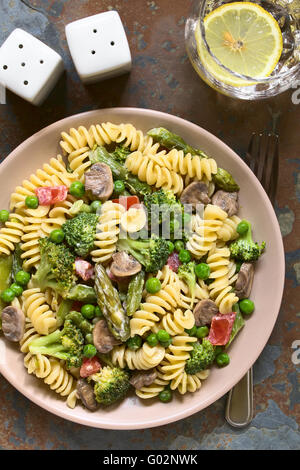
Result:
[[285, 74]]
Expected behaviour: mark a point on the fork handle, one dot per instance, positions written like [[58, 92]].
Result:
[[239, 408]]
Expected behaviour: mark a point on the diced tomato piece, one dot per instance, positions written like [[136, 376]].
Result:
[[51, 194], [127, 201], [84, 269], [44, 195], [220, 328], [59, 194], [173, 261], [90, 366]]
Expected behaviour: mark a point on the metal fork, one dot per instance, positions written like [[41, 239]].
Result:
[[262, 158]]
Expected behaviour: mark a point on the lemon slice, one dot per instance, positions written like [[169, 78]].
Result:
[[245, 38]]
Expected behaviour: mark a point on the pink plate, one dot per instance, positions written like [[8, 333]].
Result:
[[267, 290]]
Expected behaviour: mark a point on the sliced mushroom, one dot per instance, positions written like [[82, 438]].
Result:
[[195, 193], [86, 394], [103, 340], [13, 323], [204, 311], [244, 281], [99, 182], [227, 201], [124, 265], [143, 379]]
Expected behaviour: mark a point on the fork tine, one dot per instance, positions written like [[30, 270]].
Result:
[[275, 171], [264, 144], [252, 153], [263, 159], [265, 178]]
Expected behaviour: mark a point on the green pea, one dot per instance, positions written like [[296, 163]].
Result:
[[119, 186], [202, 331], [85, 208], [89, 338], [174, 225], [184, 256], [7, 295], [89, 350], [179, 245], [153, 285], [202, 271], [77, 189], [246, 306], [152, 339], [4, 215], [88, 311], [192, 331], [18, 290], [242, 227], [98, 312], [222, 359], [163, 336], [57, 235], [32, 202], [22, 278], [186, 218], [166, 344], [165, 396], [171, 247], [134, 343], [95, 206]]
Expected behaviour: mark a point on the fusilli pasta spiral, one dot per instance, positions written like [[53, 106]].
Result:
[[144, 358], [149, 171], [228, 230], [175, 323], [107, 231], [11, 233], [205, 230], [220, 289], [172, 367], [38, 311], [187, 165]]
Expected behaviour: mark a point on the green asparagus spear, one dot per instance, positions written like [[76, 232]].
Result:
[[110, 305], [131, 182], [63, 310], [82, 293], [5, 277], [222, 178], [170, 140], [84, 325], [17, 262], [134, 294]]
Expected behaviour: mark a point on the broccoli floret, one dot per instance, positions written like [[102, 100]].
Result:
[[152, 253], [245, 249], [202, 356], [164, 208], [121, 153], [186, 272], [66, 344], [162, 198], [80, 232], [111, 385], [56, 268]]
